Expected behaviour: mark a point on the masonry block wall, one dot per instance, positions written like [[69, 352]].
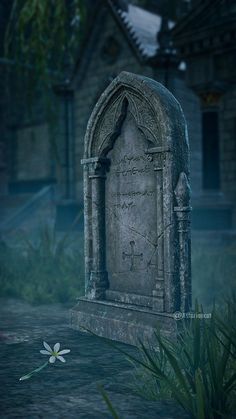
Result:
[[33, 152], [228, 146], [29, 142]]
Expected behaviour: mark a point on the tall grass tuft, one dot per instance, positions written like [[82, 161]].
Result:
[[213, 271], [47, 269], [198, 370]]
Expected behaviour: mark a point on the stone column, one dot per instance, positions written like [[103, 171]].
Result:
[[157, 154], [182, 194], [98, 280]]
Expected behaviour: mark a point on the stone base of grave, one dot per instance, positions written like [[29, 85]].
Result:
[[121, 322]]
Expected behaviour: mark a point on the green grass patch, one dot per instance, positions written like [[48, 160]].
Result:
[[44, 270], [213, 272], [197, 370]]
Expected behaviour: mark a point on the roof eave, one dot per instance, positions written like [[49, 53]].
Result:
[[128, 33], [179, 28]]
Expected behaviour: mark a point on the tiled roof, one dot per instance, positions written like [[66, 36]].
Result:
[[141, 26]]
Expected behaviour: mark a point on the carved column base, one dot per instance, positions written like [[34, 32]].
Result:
[[98, 284], [158, 295], [158, 304]]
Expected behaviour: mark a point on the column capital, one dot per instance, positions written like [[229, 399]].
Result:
[[97, 166]]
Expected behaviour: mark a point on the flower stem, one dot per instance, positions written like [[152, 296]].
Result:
[[29, 375]]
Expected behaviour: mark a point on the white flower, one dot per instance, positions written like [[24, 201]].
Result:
[[54, 354]]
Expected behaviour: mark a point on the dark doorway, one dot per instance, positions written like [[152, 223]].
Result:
[[210, 148]]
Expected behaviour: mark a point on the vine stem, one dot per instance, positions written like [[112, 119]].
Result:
[[29, 375]]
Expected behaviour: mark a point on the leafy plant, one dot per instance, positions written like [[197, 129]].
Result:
[[12, 266], [198, 370], [48, 269], [43, 35]]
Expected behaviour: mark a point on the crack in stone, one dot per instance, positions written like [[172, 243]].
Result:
[[131, 228], [136, 231]]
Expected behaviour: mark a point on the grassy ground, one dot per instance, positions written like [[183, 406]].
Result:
[[213, 272], [51, 269]]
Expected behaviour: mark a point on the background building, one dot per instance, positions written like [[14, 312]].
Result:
[[190, 48]]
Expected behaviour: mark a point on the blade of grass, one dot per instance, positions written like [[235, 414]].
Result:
[[108, 402], [174, 364], [200, 399], [181, 399], [230, 384]]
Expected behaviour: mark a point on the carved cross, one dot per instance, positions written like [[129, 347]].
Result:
[[132, 255]]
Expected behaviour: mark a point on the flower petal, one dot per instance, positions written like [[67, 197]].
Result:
[[45, 352], [61, 358], [64, 351], [52, 359], [46, 346], [56, 347]]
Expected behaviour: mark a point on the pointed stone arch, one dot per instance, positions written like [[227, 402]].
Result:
[[142, 103]]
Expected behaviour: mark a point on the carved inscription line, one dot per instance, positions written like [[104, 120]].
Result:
[[132, 194], [132, 171], [130, 159], [126, 165], [125, 205]]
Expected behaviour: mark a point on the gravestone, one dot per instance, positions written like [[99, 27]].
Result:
[[137, 213]]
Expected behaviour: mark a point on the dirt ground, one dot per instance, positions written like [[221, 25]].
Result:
[[64, 390]]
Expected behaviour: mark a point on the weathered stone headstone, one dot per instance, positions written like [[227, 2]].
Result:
[[136, 201]]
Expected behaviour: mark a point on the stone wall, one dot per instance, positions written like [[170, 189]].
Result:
[[191, 107], [32, 147], [228, 147], [26, 130]]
